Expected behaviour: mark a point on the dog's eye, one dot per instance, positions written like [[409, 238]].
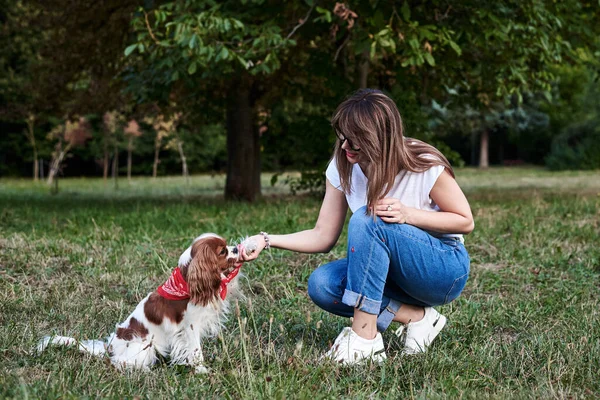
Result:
[[223, 251]]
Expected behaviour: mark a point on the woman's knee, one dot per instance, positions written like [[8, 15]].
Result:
[[314, 283], [325, 282]]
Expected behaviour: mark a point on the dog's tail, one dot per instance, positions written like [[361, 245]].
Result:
[[93, 347]]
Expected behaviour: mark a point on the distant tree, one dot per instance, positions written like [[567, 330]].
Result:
[[81, 53], [70, 134], [30, 134], [112, 123], [164, 128], [62, 57], [131, 131], [176, 144]]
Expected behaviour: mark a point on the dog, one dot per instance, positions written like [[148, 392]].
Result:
[[173, 320]]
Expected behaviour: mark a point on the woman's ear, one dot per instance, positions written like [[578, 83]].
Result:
[[203, 275]]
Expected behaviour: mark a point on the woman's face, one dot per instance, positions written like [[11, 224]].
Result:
[[352, 155], [351, 150]]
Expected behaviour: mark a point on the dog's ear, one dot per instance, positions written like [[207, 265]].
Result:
[[204, 271]]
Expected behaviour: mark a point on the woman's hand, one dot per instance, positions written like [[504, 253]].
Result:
[[260, 245], [392, 211]]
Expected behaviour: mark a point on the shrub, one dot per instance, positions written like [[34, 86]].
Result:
[[578, 147]]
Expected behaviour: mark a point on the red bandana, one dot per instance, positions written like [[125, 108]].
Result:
[[175, 288], [227, 279]]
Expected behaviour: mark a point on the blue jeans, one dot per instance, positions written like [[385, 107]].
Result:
[[389, 265]]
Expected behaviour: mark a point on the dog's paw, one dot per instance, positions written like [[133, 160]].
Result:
[[200, 369]]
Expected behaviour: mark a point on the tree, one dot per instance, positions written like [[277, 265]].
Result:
[[235, 44], [164, 128], [131, 131], [112, 122], [176, 143], [61, 57], [486, 53], [67, 136], [30, 134]]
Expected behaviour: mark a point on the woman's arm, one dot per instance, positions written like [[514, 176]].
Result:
[[455, 215], [319, 239]]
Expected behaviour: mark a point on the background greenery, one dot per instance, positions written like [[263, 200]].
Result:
[[526, 326], [517, 78]]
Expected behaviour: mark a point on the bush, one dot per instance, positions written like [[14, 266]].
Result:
[[578, 147]]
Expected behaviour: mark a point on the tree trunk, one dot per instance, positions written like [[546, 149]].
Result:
[[56, 161], [115, 166], [156, 154], [105, 169], [483, 149], [184, 166], [363, 70], [30, 133], [36, 165], [243, 151], [129, 151]]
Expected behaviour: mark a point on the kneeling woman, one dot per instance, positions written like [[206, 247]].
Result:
[[405, 237]]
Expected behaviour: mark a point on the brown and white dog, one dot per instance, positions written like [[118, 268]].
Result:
[[173, 320]]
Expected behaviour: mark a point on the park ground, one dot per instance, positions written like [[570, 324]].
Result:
[[77, 262]]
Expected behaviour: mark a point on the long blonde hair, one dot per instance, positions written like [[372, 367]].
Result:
[[371, 121]]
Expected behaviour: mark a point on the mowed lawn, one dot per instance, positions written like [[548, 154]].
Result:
[[76, 263]]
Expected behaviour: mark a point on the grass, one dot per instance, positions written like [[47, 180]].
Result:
[[527, 325]]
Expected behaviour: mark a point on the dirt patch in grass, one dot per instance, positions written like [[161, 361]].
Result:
[[489, 266]]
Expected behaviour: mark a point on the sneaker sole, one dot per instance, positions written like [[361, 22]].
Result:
[[376, 358]]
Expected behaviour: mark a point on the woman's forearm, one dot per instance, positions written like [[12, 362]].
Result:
[[443, 222], [308, 241]]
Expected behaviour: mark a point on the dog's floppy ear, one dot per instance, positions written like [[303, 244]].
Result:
[[204, 271]]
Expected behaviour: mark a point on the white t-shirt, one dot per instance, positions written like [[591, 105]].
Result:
[[411, 188]]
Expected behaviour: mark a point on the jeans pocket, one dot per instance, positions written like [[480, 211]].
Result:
[[456, 288]]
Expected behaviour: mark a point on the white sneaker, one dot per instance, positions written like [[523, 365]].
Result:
[[349, 348], [420, 334]]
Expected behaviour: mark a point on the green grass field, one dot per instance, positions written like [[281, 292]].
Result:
[[76, 263]]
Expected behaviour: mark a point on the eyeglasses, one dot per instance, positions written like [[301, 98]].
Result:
[[343, 139]]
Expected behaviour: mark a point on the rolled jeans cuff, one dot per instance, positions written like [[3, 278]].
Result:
[[387, 315], [361, 302]]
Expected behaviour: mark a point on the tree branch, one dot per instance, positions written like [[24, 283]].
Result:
[[303, 21], [339, 49], [150, 29]]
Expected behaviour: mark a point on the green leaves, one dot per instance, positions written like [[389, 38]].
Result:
[[429, 58], [130, 49], [325, 15], [405, 10], [455, 47], [202, 36]]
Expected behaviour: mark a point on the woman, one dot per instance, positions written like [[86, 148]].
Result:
[[405, 243]]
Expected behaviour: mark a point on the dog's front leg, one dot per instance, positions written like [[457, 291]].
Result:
[[197, 361], [192, 354]]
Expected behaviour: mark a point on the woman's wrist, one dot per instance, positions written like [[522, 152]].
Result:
[[267, 239], [409, 215]]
